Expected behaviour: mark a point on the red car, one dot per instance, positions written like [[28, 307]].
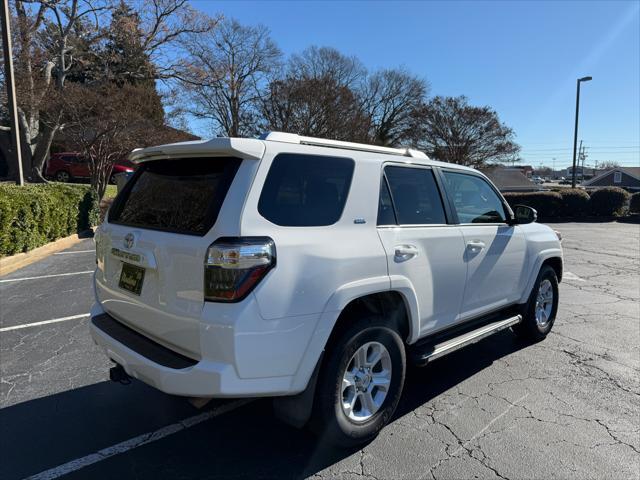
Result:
[[67, 166]]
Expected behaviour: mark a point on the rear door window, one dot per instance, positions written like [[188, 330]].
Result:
[[180, 195], [415, 195], [305, 190]]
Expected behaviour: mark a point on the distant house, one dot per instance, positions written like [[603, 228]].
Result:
[[625, 177], [510, 179]]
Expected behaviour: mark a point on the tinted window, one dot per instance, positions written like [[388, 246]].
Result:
[[181, 195], [385, 207], [473, 199], [305, 190], [415, 196]]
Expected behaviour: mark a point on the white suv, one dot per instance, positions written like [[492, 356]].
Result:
[[311, 271]]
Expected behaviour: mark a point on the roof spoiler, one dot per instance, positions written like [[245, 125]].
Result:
[[247, 148]]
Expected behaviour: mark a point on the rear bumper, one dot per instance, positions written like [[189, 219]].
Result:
[[203, 378]]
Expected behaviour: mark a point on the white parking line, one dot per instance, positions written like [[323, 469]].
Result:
[[75, 251], [136, 442], [45, 276], [572, 276], [44, 322]]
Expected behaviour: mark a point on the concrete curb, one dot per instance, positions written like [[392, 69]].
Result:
[[19, 260]]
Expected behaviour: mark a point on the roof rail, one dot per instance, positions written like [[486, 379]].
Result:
[[322, 142]]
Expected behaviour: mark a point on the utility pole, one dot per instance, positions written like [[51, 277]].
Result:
[[573, 182], [575, 130], [11, 90]]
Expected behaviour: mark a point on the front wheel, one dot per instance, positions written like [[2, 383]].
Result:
[[360, 383], [539, 313]]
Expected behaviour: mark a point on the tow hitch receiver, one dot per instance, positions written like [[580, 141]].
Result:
[[117, 374]]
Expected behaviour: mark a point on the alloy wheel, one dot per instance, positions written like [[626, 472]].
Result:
[[366, 382], [544, 303]]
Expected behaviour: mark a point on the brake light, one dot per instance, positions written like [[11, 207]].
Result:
[[235, 265]]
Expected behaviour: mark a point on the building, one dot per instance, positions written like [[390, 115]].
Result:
[[624, 177], [510, 179]]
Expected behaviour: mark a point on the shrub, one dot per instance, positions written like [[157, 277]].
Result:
[[575, 202], [34, 215], [608, 201], [634, 204], [547, 204]]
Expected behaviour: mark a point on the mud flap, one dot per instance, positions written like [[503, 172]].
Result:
[[296, 410]]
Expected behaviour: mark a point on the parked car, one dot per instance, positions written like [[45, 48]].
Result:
[[68, 166], [565, 181], [537, 180], [311, 271]]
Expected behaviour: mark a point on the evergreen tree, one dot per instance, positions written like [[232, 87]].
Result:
[[125, 60]]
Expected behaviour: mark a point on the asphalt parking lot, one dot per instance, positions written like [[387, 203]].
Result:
[[568, 407]]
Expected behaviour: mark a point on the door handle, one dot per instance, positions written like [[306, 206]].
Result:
[[405, 252], [475, 245]]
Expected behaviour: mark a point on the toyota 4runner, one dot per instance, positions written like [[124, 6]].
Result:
[[311, 271]]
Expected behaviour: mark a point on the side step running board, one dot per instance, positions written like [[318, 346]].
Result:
[[428, 351]]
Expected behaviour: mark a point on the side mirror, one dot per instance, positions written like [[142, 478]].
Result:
[[524, 215]]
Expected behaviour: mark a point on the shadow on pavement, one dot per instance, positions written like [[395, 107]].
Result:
[[246, 443]]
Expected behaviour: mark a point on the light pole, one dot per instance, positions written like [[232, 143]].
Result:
[[11, 90], [575, 130]]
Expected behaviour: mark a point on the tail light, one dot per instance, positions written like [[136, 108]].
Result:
[[235, 265]]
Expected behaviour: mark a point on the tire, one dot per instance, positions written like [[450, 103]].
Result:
[[62, 176], [537, 319], [330, 419], [112, 179]]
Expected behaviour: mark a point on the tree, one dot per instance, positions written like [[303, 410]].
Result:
[[453, 131], [106, 121], [393, 100], [56, 44], [318, 107], [123, 59], [327, 63], [608, 165], [227, 69]]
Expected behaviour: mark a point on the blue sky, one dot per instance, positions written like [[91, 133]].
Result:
[[521, 58]]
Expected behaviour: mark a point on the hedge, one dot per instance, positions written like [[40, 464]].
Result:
[[573, 203], [634, 204], [33, 215], [547, 204], [609, 201]]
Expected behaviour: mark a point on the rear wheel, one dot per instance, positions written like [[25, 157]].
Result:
[[539, 313], [360, 382], [62, 176]]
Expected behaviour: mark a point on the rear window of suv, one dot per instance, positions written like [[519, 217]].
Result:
[[305, 190], [180, 195]]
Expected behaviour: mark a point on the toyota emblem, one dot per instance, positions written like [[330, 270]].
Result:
[[129, 239]]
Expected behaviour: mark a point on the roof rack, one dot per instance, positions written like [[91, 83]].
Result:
[[322, 142]]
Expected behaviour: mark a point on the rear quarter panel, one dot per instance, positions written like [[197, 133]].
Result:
[[314, 262]]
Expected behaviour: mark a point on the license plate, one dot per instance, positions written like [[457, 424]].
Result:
[[131, 278]]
